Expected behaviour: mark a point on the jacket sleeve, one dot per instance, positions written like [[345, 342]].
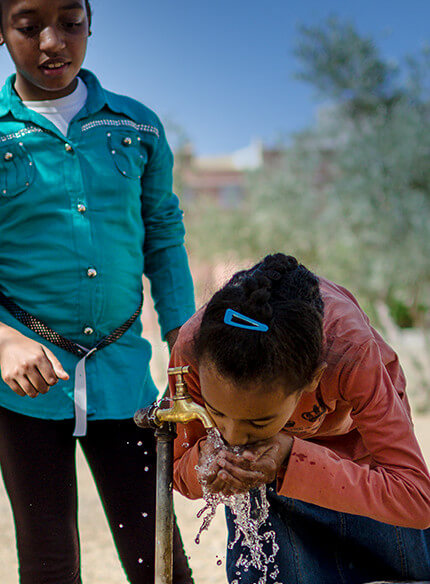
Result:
[[190, 436], [166, 262], [394, 487]]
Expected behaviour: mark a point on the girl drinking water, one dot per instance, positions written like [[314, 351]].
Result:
[[86, 207], [292, 372]]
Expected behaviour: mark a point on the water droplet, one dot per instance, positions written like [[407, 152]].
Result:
[[146, 452], [121, 525], [144, 514], [140, 561], [140, 443], [219, 562], [146, 468]]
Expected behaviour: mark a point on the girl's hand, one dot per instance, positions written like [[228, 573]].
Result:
[[26, 366], [257, 464]]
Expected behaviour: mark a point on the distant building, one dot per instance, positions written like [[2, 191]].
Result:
[[221, 177]]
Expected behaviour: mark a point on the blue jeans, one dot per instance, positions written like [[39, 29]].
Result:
[[321, 546]]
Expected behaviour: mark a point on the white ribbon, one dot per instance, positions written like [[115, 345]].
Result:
[[80, 396]]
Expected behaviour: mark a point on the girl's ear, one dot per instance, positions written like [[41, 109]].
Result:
[[316, 378], [319, 373]]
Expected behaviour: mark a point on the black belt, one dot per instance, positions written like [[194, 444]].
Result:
[[43, 330]]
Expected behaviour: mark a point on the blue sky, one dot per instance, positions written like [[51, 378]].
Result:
[[223, 70]]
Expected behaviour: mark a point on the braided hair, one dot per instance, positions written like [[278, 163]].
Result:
[[284, 295]]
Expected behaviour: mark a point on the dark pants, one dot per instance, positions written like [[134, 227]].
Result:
[[321, 546], [38, 465]]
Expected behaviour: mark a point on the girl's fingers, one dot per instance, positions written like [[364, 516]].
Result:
[[217, 485], [46, 371], [27, 386], [16, 388], [227, 484], [210, 477], [37, 381], [251, 462], [58, 368], [234, 460], [233, 484], [227, 491], [246, 478], [235, 470]]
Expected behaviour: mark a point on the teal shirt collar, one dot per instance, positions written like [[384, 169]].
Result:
[[96, 100]]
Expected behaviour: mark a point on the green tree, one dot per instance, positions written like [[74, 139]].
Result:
[[352, 196], [346, 67]]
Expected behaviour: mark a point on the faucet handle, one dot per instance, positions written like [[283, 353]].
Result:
[[180, 386], [181, 370]]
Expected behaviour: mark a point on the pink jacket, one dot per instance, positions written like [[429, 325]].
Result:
[[354, 446]]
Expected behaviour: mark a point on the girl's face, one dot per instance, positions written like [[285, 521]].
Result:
[[47, 40], [247, 413]]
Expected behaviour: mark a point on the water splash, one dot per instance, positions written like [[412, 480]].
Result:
[[250, 513], [185, 443]]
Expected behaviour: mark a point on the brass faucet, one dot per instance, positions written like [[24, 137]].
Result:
[[183, 410]]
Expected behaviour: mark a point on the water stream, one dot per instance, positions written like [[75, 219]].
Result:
[[250, 513]]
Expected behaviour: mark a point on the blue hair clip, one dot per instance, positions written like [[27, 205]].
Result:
[[232, 317]]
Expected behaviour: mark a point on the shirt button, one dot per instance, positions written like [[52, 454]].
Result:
[[68, 147], [81, 208], [91, 272], [88, 330], [8, 156]]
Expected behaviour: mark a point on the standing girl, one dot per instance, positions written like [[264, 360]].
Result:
[[291, 370], [86, 208]]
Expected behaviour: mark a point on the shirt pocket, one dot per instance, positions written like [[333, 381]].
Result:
[[16, 169], [128, 153]]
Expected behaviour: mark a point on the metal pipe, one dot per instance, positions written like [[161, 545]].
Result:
[[164, 506], [163, 421]]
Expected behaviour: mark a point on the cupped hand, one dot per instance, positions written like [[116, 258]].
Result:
[[257, 464], [28, 367]]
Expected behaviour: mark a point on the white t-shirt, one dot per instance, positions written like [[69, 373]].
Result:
[[61, 111]]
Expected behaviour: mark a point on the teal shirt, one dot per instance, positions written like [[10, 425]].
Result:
[[98, 199]]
